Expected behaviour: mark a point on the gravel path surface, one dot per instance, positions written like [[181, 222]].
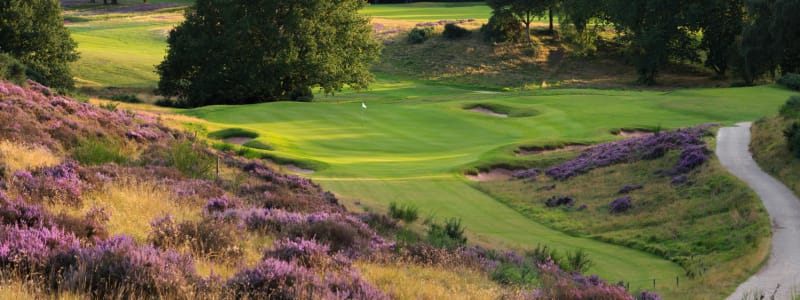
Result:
[[783, 267]]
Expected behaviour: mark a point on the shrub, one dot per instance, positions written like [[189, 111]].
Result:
[[420, 35], [453, 31], [449, 235], [209, 237], [792, 134], [29, 249], [790, 80], [193, 161], [791, 109], [502, 27], [126, 98], [11, 69], [556, 201], [406, 212], [58, 184], [620, 205], [110, 106], [576, 261], [629, 188], [506, 273], [97, 151], [117, 266], [543, 253]]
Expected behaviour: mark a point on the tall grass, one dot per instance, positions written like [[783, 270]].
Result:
[[18, 156], [409, 281]]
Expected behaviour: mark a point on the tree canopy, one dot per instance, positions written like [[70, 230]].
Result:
[[33, 32], [236, 52]]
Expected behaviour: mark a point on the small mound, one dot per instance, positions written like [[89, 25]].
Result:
[[486, 111], [637, 132], [492, 175], [537, 150]]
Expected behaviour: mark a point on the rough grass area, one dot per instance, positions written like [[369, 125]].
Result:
[[714, 220], [771, 151], [17, 156], [409, 281], [231, 133]]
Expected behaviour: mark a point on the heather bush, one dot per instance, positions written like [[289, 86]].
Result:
[[453, 31], [629, 188], [126, 98], [58, 184], [790, 109], [118, 268], [620, 205], [309, 254], [449, 235], [209, 237], [633, 149], [556, 201], [790, 80], [529, 174], [419, 35], [221, 204], [406, 212], [381, 223], [30, 248]]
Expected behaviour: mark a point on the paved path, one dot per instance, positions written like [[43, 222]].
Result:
[[783, 266]]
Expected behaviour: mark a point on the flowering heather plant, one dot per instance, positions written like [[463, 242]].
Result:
[[633, 149], [308, 253], [530, 174], [118, 265], [629, 188], [645, 295], [30, 248], [275, 279], [557, 201], [60, 183], [620, 205], [220, 204], [679, 180]]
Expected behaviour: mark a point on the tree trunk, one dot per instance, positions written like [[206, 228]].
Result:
[[528, 20], [550, 11]]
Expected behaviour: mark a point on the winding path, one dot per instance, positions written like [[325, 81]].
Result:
[[783, 266]]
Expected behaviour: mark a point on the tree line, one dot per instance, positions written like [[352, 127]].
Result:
[[752, 39]]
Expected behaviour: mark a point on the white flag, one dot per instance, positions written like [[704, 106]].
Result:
[[363, 105]]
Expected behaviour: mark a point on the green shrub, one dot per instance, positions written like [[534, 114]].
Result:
[[192, 161], [502, 27], [11, 69], [405, 212], [576, 261], [791, 109], [223, 146], [232, 132], [110, 106], [790, 80], [451, 235], [126, 98], [508, 274], [453, 31], [257, 145], [95, 151], [419, 35], [792, 134]]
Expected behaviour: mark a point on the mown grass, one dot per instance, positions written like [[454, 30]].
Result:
[[771, 151], [429, 11]]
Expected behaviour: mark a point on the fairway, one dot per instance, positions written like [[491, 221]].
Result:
[[428, 11], [414, 139]]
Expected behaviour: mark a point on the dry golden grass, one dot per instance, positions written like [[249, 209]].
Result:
[[407, 281], [17, 156], [132, 203]]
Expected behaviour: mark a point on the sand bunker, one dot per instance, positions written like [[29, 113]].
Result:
[[633, 133], [296, 169], [492, 175], [486, 111], [545, 150], [237, 140]]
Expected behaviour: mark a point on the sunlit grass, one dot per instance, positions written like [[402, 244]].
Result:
[[17, 156], [407, 281]]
